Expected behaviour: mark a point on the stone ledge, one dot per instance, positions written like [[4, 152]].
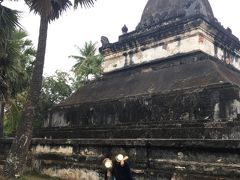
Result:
[[192, 143]]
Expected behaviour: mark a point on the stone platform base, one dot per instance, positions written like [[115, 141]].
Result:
[[149, 159]]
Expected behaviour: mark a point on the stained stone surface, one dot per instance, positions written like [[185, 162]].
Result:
[[190, 87], [156, 37], [150, 159], [161, 10]]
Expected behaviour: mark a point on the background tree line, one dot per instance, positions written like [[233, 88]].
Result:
[[48, 10], [55, 88]]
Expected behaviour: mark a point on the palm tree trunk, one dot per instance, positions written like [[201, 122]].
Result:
[[1, 117], [17, 157]]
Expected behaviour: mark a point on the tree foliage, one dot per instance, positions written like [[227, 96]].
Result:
[[13, 109], [48, 10], [16, 73], [17, 66], [88, 65], [8, 23], [55, 89], [53, 9]]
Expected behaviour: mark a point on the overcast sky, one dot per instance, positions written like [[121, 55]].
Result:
[[106, 18]]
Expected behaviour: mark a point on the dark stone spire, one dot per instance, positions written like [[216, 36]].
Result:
[[124, 29], [160, 10]]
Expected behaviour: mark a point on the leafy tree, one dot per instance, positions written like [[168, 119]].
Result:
[[55, 89], [88, 64], [13, 108], [48, 10], [17, 68]]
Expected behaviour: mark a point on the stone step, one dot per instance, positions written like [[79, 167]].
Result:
[[175, 124], [2, 162], [157, 132]]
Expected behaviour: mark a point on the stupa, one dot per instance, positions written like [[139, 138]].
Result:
[[169, 98]]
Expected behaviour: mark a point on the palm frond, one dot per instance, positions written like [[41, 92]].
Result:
[[84, 3], [41, 7], [8, 22], [13, 67], [58, 7], [51, 9]]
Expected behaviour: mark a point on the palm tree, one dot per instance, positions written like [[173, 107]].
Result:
[[17, 68], [8, 23], [14, 70], [88, 64], [48, 10]]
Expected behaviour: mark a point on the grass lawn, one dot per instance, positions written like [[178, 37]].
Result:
[[33, 176]]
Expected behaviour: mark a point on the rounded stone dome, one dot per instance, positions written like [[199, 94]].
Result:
[[167, 9]]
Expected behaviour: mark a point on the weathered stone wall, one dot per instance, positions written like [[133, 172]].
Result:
[[188, 87], [169, 41], [149, 159], [4, 148], [212, 104], [183, 43]]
